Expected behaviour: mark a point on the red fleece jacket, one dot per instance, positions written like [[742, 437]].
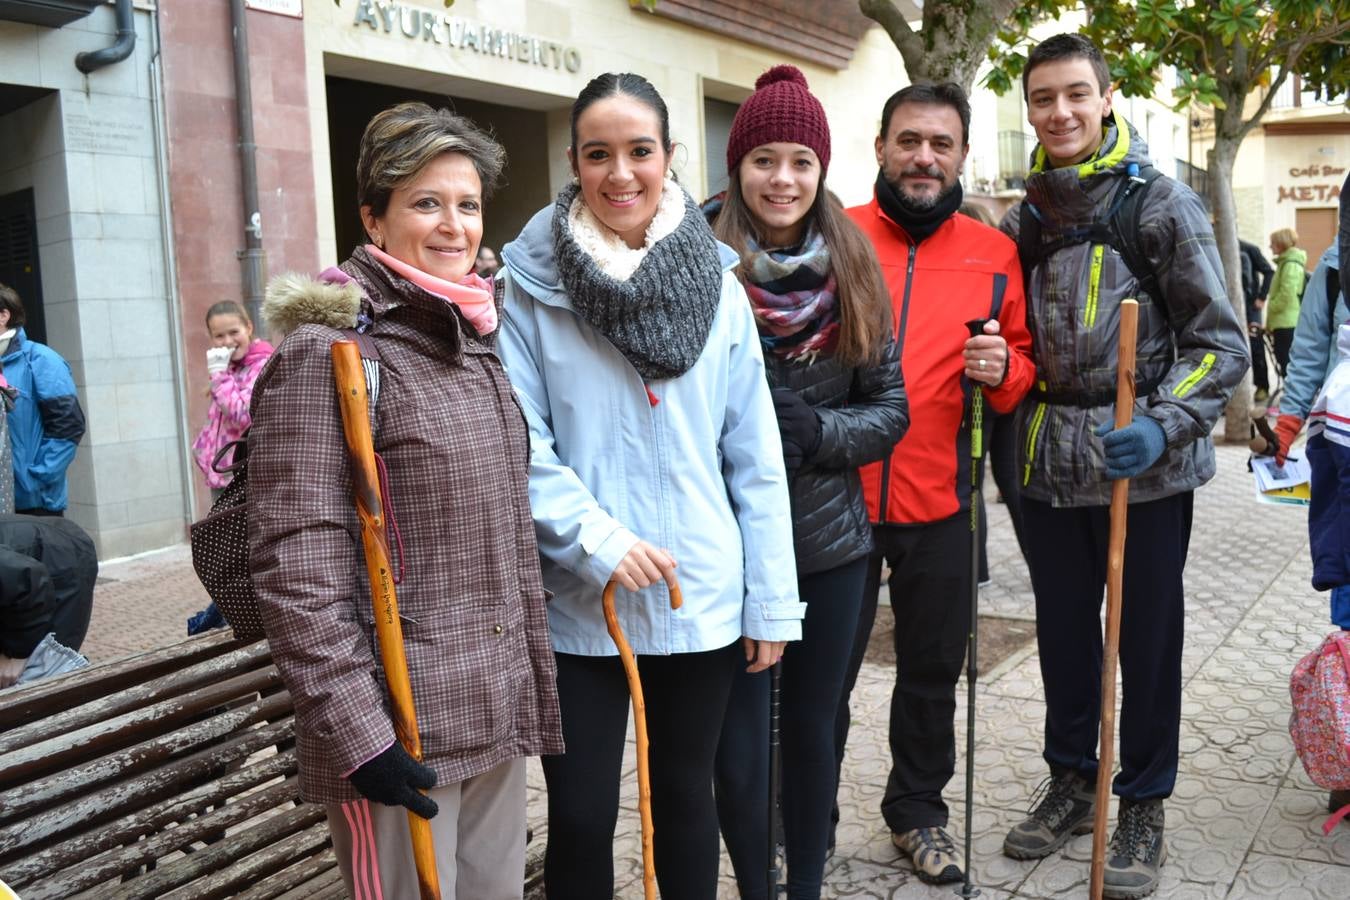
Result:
[[936, 287]]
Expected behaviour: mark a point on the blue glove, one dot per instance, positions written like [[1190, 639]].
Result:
[[1132, 449]]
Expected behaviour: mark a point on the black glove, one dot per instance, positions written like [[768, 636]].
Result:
[[393, 777], [799, 426]]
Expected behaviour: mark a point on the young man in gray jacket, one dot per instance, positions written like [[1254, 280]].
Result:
[[1191, 355]]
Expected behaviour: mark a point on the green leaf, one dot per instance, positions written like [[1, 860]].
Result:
[[998, 80]]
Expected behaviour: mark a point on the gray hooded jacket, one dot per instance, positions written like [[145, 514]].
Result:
[[1191, 349]]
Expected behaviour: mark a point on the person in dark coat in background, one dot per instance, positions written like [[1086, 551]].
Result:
[[47, 572], [823, 315], [46, 422], [1256, 274]]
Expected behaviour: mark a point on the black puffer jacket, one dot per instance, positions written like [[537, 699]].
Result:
[[863, 413], [48, 566]]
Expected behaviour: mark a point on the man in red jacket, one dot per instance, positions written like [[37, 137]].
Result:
[[942, 269]]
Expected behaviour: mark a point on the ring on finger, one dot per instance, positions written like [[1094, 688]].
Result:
[[983, 364]]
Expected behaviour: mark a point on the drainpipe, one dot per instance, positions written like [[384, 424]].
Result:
[[254, 262], [120, 50], [187, 465]]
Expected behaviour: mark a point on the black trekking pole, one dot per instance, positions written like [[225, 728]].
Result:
[[976, 327], [775, 763]]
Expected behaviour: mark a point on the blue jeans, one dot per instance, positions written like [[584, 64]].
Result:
[[1340, 606]]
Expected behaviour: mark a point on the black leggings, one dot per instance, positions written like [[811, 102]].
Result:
[[1283, 339], [812, 685], [686, 698]]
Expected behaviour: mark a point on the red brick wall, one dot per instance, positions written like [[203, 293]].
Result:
[[204, 171]]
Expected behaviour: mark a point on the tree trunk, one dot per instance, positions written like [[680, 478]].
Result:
[[951, 43], [1237, 417]]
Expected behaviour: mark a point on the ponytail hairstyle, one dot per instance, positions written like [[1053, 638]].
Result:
[[864, 302]]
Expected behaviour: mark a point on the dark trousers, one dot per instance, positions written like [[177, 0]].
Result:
[[812, 685], [930, 595], [686, 697], [1283, 339], [1260, 373], [1067, 548], [1003, 462]]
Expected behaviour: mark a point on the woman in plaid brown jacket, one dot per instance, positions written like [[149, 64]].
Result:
[[457, 453]]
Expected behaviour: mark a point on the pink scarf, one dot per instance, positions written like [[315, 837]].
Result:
[[472, 294]]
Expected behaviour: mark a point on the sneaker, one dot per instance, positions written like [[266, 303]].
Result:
[[1065, 810], [932, 852], [1137, 851]]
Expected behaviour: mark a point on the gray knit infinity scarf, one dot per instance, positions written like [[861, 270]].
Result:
[[659, 318]]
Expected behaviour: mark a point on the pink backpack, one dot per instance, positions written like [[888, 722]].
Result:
[[1320, 723]]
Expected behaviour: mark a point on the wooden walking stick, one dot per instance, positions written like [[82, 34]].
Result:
[[351, 386], [1115, 570], [639, 725]]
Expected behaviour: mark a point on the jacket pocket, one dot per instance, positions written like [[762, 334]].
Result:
[[468, 671], [1034, 429], [1094, 286]]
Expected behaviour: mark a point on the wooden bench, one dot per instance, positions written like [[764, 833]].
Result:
[[169, 774]]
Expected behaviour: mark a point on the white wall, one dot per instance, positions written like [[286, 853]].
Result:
[[88, 152]]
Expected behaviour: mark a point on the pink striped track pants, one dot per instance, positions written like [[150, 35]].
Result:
[[479, 835]]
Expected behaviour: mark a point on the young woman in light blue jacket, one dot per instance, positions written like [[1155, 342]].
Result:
[[655, 454]]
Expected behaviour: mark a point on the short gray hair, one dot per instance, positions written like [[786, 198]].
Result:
[[402, 140]]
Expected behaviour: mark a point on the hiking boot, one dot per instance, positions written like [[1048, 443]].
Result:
[[932, 852], [1137, 851], [1065, 810]]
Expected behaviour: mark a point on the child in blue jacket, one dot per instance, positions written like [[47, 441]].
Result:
[[1329, 456]]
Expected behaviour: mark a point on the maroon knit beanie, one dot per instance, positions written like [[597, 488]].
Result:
[[780, 109]]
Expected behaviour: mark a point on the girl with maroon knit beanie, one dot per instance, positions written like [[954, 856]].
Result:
[[824, 320]]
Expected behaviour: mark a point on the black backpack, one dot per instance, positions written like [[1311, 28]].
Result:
[[1119, 229]]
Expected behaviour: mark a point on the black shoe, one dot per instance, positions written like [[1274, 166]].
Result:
[[1137, 852], [1066, 810], [1338, 799]]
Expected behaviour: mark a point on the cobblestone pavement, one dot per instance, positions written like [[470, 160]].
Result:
[[1244, 821]]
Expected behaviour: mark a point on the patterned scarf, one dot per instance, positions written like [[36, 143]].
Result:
[[659, 318], [792, 293]]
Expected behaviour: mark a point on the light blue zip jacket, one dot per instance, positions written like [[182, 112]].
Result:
[[1313, 354], [700, 472]]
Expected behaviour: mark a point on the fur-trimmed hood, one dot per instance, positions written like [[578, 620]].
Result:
[[333, 298]]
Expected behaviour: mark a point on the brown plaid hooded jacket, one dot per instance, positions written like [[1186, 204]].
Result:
[[457, 451]]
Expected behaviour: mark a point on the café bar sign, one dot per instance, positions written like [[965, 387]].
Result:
[[423, 25]]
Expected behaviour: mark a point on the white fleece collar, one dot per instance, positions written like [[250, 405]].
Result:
[[615, 258]]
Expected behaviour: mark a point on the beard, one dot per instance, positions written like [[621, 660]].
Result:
[[926, 203]]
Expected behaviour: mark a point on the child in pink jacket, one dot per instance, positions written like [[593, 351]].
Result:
[[234, 361]]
